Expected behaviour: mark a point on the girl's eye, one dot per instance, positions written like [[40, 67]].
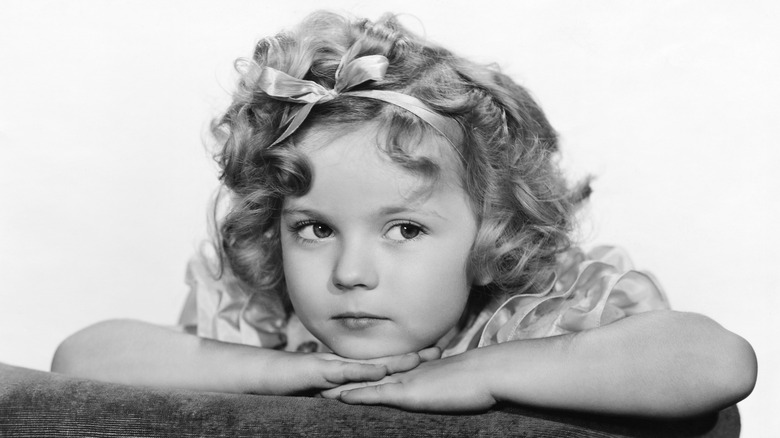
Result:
[[404, 232], [315, 231]]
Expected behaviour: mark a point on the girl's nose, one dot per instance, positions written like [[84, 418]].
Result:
[[355, 267]]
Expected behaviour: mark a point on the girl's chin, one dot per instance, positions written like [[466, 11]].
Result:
[[365, 349]]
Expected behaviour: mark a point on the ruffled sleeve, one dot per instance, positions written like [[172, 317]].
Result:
[[218, 308], [590, 290]]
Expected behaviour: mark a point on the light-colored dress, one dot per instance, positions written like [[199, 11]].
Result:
[[590, 290]]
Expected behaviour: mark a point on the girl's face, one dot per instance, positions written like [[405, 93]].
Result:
[[375, 256]]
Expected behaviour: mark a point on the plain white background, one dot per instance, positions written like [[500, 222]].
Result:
[[104, 178]]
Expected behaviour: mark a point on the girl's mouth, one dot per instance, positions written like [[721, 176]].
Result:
[[358, 320]]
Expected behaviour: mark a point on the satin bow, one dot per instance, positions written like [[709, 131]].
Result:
[[282, 86]]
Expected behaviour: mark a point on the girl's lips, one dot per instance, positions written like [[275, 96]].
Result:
[[358, 320], [357, 315]]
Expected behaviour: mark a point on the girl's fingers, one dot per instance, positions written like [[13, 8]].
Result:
[[354, 370], [394, 364], [330, 393], [408, 361], [398, 364], [431, 353], [344, 372], [334, 393], [387, 394]]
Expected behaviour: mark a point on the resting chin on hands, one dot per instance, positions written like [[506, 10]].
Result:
[[312, 372], [444, 385]]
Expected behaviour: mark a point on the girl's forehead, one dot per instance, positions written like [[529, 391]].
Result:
[[353, 181], [408, 152], [423, 165]]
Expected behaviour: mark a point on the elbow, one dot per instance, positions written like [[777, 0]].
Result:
[[738, 369], [64, 360], [75, 354], [705, 367], [726, 362]]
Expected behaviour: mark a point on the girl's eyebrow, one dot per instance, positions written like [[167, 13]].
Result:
[[390, 210], [300, 211], [384, 211]]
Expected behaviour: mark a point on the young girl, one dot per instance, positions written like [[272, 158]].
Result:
[[398, 232]]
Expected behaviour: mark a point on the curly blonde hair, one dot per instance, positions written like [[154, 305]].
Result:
[[508, 150]]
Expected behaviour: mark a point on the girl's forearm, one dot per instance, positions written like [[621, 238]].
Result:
[[138, 353], [663, 363]]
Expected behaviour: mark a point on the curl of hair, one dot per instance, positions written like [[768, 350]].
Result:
[[524, 206]]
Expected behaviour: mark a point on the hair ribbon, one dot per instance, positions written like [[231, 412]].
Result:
[[281, 86]]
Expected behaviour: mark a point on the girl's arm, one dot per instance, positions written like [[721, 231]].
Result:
[[138, 353], [662, 363]]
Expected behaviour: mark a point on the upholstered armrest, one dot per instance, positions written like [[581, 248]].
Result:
[[37, 403]]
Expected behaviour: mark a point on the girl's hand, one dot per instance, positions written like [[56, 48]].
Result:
[[310, 373], [451, 384]]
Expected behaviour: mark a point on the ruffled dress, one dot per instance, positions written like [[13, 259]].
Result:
[[590, 290]]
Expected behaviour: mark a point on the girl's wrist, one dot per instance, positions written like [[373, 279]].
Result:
[[521, 371], [261, 370], [242, 368], [488, 367]]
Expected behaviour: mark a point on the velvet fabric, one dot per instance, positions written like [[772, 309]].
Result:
[[41, 404]]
